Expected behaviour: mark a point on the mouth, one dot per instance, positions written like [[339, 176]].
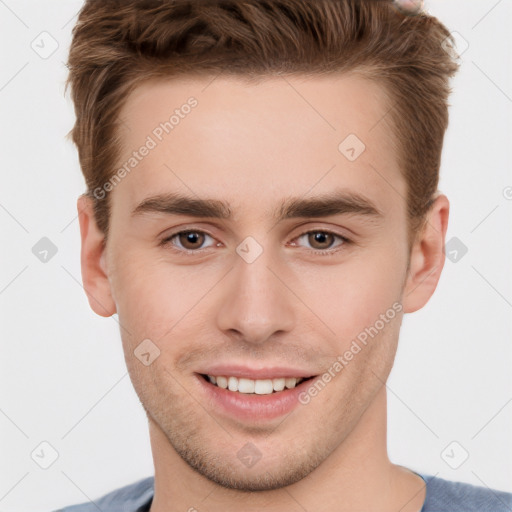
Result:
[[247, 386], [268, 396]]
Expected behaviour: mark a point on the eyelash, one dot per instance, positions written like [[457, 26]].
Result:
[[326, 252]]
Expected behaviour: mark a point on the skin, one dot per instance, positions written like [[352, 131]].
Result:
[[253, 146]]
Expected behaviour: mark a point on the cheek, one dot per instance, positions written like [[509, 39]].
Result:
[[153, 296], [351, 296]]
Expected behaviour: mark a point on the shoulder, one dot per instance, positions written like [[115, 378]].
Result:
[[447, 496], [129, 498]]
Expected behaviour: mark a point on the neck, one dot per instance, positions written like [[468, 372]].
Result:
[[356, 476]]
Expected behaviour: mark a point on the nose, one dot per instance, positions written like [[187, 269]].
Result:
[[256, 304]]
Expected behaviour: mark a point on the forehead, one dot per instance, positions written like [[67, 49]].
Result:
[[253, 143]]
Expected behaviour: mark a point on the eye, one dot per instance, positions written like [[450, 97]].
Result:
[[187, 240], [323, 241]]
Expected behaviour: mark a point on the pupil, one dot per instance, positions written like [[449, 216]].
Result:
[[321, 237], [191, 238]]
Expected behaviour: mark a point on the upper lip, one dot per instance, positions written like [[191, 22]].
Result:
[[268, 372]]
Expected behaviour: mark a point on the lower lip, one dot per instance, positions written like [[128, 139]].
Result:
[[253, 407]]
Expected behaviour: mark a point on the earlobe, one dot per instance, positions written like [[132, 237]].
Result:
[[93, 261], [427, 257]]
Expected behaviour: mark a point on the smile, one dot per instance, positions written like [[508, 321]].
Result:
[[251, 386]]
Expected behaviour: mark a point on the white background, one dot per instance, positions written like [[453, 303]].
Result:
[[64, 379]]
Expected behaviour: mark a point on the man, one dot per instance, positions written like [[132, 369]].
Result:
[[261, 211]]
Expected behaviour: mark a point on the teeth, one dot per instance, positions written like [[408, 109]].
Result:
[[246, 385], [279, 384], [290, 382], [222, 382], [233, 384], [263, 387], [258, 387]]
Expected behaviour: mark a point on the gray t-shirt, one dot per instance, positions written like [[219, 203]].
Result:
[[442, 496]]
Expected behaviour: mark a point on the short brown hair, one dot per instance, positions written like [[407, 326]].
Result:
[[118, 44]]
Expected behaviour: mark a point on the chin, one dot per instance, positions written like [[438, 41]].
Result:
[[247, 480]]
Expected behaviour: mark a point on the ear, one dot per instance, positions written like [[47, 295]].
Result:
[[427, 257], [92, 260]]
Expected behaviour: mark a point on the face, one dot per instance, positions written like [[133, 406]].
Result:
[[255, 242]]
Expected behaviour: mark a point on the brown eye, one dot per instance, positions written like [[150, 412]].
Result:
[[323, 242], [320, 239], [191, 239], [188, 241]]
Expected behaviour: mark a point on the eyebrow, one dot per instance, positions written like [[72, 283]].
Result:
[[334, 203]]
